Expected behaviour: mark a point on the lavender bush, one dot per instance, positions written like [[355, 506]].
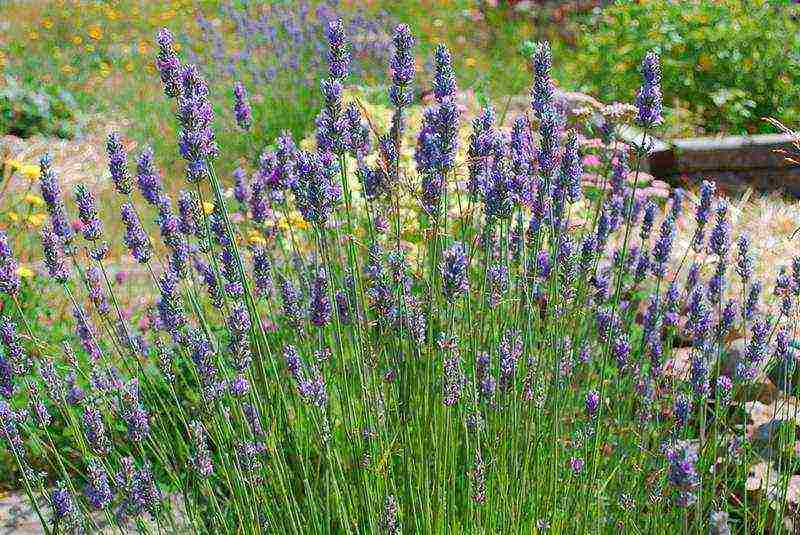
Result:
[[513, 371], [280, 50]]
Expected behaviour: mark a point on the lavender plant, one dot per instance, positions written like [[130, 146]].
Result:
[[507, 374]]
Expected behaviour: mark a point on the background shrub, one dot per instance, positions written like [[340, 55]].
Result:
[[26, 111], [730, 63]]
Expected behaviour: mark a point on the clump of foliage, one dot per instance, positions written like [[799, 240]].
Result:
[[26, 111], [277, 49], [729, 63], [304, 367]]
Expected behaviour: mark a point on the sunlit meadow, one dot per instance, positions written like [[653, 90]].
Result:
[[396, 328]]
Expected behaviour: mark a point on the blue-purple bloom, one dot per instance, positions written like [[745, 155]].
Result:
[[54, 200], [241, 107], [338, 53], [168, 64], [53, 249], [148, 177], [403, 67], [542, 93], [316, 190], [308, 378], [682, 458], [65, 512], [95, 430], [9, 278], [195, 114], [648, 99], [118, 164], [200, 460], [97, 489], [454, 269], [320, 310], [241, 188], [87, 213], [444, 80], [135, 236]]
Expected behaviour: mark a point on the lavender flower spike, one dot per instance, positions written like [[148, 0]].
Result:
[[168, 64], [9, 278], [648, 100], [118, 164], [51, 193], [196, 138], [455, 280], [148, 177], [543, 89], [87, 213], [241, 107], [135, 236], [402, 66], [53, 249], [444, 82], [338, 55]]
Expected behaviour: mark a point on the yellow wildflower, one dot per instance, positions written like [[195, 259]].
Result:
[[96, 33], [143, 48], [129, 66], [12, 216], [470, 62], [47, 24], [77, 40], [25, 272], [67, 69], [255, 238], [33, 200], [37, 220], [30, 171], [13, 164], [208, 207], [33, 35]]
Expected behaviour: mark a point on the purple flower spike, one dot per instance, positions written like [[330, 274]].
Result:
[[196, 137], [338, 54], [148, 177], [66, 515], [51, 193], [9, 278], [402, 66], [87, 213], [592, 403], [241, 107], [200, 461], [262, 271], [118, 164], [444, 81], [648, 100], [53, 249], [135, 236], [241, 187], [682, 458], [454, 269], [97, 490], [168, 64], [320, 313], [543, 89], [316, 190]]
